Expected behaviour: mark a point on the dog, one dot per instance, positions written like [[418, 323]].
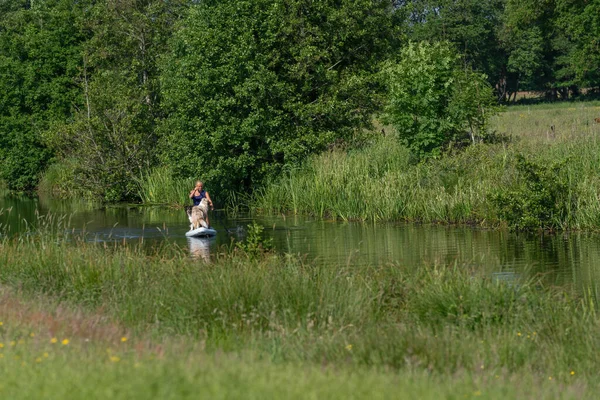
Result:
[[197, 215]]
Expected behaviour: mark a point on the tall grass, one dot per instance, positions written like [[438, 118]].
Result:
[[380, 182], [59, 181], [160, 187], [440, 318]]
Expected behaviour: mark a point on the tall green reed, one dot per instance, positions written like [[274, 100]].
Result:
[[379, 182], [160, 187]]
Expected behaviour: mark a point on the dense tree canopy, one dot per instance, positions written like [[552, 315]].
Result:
[[104, 91], [40, 49], [254, 85]]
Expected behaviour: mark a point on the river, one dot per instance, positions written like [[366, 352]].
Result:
[[570, 260]]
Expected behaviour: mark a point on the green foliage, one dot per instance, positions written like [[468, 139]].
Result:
[[256, 244], [58, 180], [541, 202], [159, 186], [112, 138], [380, 181], [471, 25], [580, 22], [39, 57], [252, 86], [434, 101]]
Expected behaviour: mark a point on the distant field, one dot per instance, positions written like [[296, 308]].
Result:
[[549, 122]]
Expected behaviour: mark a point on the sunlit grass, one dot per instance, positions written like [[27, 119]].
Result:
[[160, 187], [116, 319], [381, 182]]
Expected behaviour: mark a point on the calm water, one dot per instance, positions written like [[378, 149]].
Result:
[[569, 259]]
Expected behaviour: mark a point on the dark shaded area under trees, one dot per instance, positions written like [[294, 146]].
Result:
[[95, 93]]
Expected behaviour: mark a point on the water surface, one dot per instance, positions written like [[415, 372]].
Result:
[[565, 259]]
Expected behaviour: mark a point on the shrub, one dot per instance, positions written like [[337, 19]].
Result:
[[434, 101], [542, 200]]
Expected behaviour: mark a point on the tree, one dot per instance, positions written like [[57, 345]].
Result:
[[112, 138], [536, 47], [434, 101], [252, 86], [39, 57], [473, 26], [579, 21]]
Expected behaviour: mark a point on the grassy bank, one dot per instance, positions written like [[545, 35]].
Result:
[[380, 182], [253, 320]]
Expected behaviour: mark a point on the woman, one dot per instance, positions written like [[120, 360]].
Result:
[[197, 194]]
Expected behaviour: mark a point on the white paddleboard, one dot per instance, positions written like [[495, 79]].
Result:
[[201, 232]]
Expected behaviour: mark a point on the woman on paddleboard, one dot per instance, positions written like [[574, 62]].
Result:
[[198, 193]]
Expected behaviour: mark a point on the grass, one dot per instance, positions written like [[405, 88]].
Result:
[[277, 326], [380, 182], [160, 187]]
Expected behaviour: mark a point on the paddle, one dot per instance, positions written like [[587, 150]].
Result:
[[221, 222]]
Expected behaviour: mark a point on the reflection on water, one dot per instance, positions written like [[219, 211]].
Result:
[[567, 259], [199, 248]]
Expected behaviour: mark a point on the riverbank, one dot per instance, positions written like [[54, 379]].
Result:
[[442, 330], [541, 172]]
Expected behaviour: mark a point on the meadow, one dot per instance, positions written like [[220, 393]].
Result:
[[555, 144], [100, 320]]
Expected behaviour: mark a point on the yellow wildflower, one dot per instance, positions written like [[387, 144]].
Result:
[[1, 355], [572, 372], [53, 340], [13, 343], [38, 360], [115, 359], [549, 378], [123, 339], [46, 355], [65, 342], [32, 334], [518, 333], [1, 345], [1, 323], [348, 347], [21, 341]]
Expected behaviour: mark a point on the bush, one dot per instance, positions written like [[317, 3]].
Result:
[[434, 101], [542, 201]]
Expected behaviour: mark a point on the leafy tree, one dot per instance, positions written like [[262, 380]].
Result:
[[473, 26], [251, 86], [39, 56], [434, 101], [579, 21], [536, 47], [112, 138]]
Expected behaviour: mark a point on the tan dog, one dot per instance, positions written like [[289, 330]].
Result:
[[197, 215]]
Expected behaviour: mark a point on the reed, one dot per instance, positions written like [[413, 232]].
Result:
[[160, 187], [380, 182]]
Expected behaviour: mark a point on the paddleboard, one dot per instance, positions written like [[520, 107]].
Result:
[[201, 232]]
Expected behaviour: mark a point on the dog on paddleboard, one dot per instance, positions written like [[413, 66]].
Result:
[[197, 215]]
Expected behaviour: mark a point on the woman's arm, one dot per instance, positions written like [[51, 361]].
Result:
[[209, 200]]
